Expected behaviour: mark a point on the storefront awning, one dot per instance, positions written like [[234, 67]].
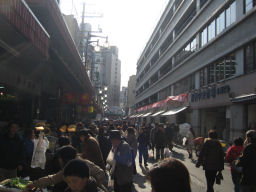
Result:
[[140, 115], [158, 113], [243, 98], [147, 114], [174, 111]]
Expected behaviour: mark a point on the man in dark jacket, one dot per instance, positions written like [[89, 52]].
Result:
[[12, 153], [123, 171], [247, 162], [212, 159], [160, 141]]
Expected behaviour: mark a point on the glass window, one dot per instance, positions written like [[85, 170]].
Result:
[[211, 30], [193, 45], [211, 73], [220, 66], [230, 66], [187, 48], [220, 23], [228, 13], [204, 37], [233, 12], [248, 5], [249, 66]]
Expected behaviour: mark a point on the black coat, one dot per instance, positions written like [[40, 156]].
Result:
[[160, 139], [12, 152], [248, 162], [212, 156]]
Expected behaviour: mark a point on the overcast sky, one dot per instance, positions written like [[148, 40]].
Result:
[[127, 23]]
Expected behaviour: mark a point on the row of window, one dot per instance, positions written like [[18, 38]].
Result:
[[219, 70], [223, 20], [216, 26], [249, 4], [250, 57]]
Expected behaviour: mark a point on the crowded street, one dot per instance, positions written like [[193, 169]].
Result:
[[127, 96]]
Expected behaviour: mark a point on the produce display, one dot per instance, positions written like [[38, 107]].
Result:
[[17, 183]]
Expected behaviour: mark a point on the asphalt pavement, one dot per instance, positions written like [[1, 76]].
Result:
[[197, 176]]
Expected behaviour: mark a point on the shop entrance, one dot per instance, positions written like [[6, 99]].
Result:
[[213, 118]]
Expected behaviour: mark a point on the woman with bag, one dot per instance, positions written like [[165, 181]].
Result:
[[232, 154]]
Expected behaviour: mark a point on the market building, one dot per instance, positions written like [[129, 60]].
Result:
[[41, 71], [205, 49]]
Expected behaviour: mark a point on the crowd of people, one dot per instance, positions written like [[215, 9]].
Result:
[[100, 156]]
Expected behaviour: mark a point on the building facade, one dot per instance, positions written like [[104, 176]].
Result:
[[207, 50], [112, 76], [131, 94], [123, 99]]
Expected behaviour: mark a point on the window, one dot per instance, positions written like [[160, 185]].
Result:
[[220, 22], [193, 45], [203, 77], [231, 14], [204, 37], [249, 60], [211, 73], [230, 66], [248, 4], [211, 30], [220, 66]]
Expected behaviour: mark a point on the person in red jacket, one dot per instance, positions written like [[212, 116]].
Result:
[[233, 153]]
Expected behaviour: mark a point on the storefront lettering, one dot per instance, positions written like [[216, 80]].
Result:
[[209, 93]]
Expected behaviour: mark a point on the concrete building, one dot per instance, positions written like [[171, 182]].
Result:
[[131, 94], [123, 99], [73, 28], [112, 77], [206, 50]]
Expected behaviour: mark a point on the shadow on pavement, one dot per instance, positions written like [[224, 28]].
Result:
[[140, 179]]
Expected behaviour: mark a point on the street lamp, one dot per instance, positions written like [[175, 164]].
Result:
[[105, 88]]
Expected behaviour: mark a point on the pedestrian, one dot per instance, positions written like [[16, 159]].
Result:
[[169, 175], [64, 155], [232, 154], [29, 149], [12, 152], [133, 142], [212, 159], [169, 130], [123, 170], [152, 138], [247, 163], [160, 142], [91, 149], [190, 142], [76, 174], [104, 143], [143, 147]]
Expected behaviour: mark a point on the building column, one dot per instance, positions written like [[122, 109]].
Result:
[[195, 121], [237, 121]]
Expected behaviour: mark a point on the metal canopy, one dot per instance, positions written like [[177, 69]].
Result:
[[243, 98], [147, 114], [174, 111], [158, 113]]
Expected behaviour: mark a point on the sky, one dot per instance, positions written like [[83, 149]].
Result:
[[127, 23]]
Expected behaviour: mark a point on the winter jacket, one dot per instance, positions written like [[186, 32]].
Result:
[[94, 171], [123, 172], [247, 162], [212, 156], [90, 186], [160, 139], [12, 152], [233, 153], [91, 151], [105, 145], [143, 141], [132, 141]]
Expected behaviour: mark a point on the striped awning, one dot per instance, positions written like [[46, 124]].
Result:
[[147, 114], [244, 98], [158, 113]]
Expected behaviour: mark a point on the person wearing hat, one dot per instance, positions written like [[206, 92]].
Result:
[[247, 162], [123, 171], [91, 149], [76, 174]]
